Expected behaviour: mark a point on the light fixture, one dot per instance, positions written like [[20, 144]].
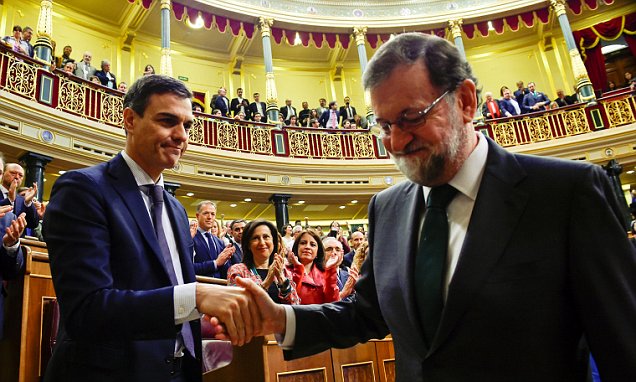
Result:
[[190, 194], [490, 27], [354, 201], [342, 207], [45, 179], [233, 205], [612, 48], [197, 24], [630, 172], [301, 202], [297, 40], [248, 199], [61, 172]]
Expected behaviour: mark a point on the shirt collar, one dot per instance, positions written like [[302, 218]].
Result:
[[202, 231], [469, 176], [141, 177]]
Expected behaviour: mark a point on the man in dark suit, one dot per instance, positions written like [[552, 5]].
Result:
[[236, 105], [210, 253], [346, 112], [329, 118], [12, 177], [356, 239], [288, 110], [221, 102], [106, 77], [11, 258], [499, 281], [236, 231], [520, 92], [259, 107], [534, 100], [121, 256]]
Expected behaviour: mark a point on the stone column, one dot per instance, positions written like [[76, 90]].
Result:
[[613, 170], [34, 170], [360, 33], [171, 187], [42, 47], [271, 95], [165, 66], [455, 27], [280, 207], [583, 85]]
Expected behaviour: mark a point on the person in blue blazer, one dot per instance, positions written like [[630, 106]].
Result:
[[12, 178], [121, 254], [211, 255]]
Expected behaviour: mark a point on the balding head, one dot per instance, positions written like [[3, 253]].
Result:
[[12, 172], [356, 239]]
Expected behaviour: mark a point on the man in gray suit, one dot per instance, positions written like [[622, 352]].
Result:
[[84, 68], [524, 260]]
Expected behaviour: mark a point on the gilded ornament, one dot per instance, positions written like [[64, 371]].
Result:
[[21, 78], [331, 146], [455, 27], [227, 135], [363, 146], [539, 128], [618, 112], [298, 144], [261, 140], [505, 134]]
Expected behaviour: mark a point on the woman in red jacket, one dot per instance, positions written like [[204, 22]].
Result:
[[316, 282]]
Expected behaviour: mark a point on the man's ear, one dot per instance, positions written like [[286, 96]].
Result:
[[129, 116], [467, 98]]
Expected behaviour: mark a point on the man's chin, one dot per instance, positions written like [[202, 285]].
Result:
[[418, 170]]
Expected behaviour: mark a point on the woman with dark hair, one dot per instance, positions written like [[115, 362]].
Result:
[[316, 281], [293, 121], [336, 231], [288, 238], [263, 264], [148, 70], [313, 114]]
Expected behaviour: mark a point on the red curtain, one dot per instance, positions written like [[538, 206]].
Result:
[[588, 43]]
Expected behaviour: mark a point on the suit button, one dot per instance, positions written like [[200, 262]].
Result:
[[181, 310], [168, 360]]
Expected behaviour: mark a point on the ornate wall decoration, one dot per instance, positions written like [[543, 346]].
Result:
[[505, 134], [261, 140], [298, 144], [363, 146], [575, 122], [72, 96], [21, 78], [112, 109], [619, 112], [196, 134], [539, 129], [331, 146], [227, 135]]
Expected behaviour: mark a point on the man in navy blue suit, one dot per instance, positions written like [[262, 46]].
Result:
[[521, 260], [534, 100], [236, 231], [12, 179], [211, 255], [121, 256], [329, 118]]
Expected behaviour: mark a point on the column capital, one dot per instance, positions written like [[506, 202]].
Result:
[[558, 6], [455, 27], [166, 4], [360, 32], [265, 23]]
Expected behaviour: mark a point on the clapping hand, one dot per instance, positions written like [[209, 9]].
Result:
[[14, 230], [193, 228], [30, 193], [334, 260]]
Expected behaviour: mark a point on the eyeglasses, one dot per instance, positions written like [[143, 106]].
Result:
[[408, 120]]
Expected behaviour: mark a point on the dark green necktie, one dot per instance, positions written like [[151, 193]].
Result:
[[431, 259]]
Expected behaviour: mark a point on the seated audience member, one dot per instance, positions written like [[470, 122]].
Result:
[[316, 281], [346, 124], [258, 107], [333, 249], [211, 255], [263, 262], [95, 80], [122, 87], [148, 70], [281, 119], [329, 118], [628, 79], [66, 55], [611, 86], [508, 103], [561, 99], [491, 108], [197, 107], [69, 68], [293, 121], [257, 117], [360, 122], [315, 124], [553, 105], [16, 42], [240, 116], [534, 100], [84, 68], [303, 116], [106, 77], [217, 113], [11, 257], [313, 114]]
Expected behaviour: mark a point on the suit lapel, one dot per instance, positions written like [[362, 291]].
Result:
[[125, 185], [495, 215]]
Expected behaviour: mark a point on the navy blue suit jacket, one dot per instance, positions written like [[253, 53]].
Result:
[[115, 296], [204, 257], [545, 262], [506, 105], [220, 104], [10, 265], [530, 100], [324, 118], [31, 215]]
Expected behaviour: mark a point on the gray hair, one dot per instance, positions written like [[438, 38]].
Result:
[[205, 203], [330, 238], [446, 66]]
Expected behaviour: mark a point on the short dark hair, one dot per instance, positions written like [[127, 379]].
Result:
[[139, 92], [17, 28], [320, 257], [446, 66], [248, 256], [236, 222], [332, 103]]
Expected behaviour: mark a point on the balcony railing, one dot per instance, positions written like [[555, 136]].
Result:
[[27, 78]]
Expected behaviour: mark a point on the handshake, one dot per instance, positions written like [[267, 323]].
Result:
[[239, 313]]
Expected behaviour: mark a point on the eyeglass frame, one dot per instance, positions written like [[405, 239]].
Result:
[[415, 122]]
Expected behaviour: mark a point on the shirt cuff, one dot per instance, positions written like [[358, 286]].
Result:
[[12, 250], [185, 303], [287, 341]]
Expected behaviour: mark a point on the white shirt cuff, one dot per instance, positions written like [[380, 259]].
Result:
[[287, 341], [185, 303], [12, 250]]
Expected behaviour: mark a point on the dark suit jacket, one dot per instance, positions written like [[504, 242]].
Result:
[[519, 95], [115, 296], [104, 79], [254, 110], [343, 113], [348, 258], [530, 100], [219, 103], [283, 111], [235, 106], [324, 118], [10, 266], [506, 105], [544, 262], [19, 207], [204, 258]]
